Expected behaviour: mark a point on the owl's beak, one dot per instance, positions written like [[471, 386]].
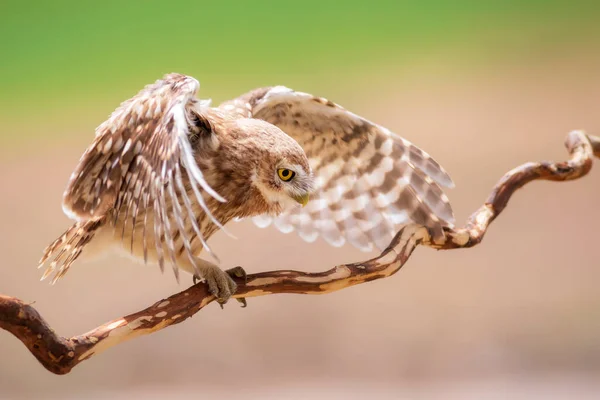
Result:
[[302, 199]]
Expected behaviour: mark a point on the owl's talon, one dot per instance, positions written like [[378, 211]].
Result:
[[239, 272], [242, 301], [221, 283]]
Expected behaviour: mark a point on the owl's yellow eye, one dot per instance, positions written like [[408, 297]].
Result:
[[285, 174]]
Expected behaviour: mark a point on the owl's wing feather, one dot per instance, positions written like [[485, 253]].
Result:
[[136, 164], [369, 181]]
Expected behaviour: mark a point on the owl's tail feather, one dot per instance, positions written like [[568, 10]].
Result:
[[64, 250]]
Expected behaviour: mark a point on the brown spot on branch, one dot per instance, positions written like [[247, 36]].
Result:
[[59, 354]]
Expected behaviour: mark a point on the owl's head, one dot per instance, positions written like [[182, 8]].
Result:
[[253, 164], [283, 175], [274, 166]]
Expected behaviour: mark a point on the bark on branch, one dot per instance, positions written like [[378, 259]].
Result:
[[59, 354]]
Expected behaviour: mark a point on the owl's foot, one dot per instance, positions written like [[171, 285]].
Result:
[[221, 284], [238, 272]]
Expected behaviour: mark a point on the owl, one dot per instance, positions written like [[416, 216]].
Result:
[[167, 170]]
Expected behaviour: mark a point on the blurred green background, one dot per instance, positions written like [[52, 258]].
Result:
[[63, 58], [483, 86]]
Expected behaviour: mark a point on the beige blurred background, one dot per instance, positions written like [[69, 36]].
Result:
[[518, 315]]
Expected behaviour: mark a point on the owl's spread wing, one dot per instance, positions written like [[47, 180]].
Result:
[[135, 165], [369, 181]]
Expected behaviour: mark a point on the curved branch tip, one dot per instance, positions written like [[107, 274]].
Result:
[[59, 354]]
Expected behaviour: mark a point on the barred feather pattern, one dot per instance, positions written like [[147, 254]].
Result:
[[140, 159], [145, 178], [369, 181], [64, 251]]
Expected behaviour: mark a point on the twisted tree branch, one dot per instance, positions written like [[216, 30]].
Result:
[[59, 354]]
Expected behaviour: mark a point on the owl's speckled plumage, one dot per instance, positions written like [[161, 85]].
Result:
[[166, 170]]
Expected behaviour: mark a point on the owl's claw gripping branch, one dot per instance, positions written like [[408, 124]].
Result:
[[234, 273], [238, 272], [221, 284], [59, 354]]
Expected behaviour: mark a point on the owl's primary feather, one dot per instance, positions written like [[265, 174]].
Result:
[[369, 181], [135, 164], [166, 171]]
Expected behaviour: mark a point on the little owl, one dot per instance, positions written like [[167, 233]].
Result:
[[166, 171]]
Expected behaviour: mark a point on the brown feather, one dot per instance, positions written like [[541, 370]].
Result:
[[166, 171]]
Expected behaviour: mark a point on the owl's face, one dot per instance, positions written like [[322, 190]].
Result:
[[260, 154], [283, 177], [284, 183], [289, 184]]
